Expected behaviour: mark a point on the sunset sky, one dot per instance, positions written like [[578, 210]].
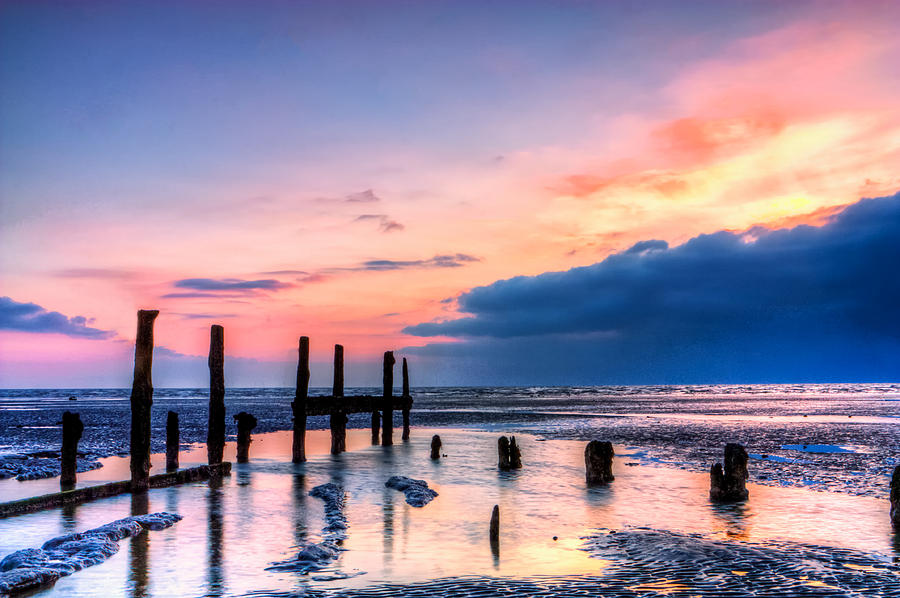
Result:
[[370, 173]]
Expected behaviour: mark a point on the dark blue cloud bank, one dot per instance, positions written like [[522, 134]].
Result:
[[31, 317], [801, 304]]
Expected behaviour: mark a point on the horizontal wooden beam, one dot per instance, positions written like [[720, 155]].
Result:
[[358, 404], [80, 495]]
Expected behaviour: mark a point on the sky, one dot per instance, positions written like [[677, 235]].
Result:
[[504, 192]]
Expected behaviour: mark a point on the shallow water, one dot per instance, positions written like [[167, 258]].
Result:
[[262, 513]]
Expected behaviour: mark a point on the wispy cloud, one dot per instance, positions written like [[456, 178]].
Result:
[[102, 273], [367, 196], [30, 317], [385, 223], [454, 260], [231, 284]]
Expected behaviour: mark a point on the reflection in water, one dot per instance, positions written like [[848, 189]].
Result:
[[387, 515], [140, 545], [736, 517], [301, 526], [69, 521], [215, 577]]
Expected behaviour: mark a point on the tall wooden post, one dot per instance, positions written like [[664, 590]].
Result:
[[406, 400], [173, 441], [387, 406], [141, 401], [215, 432], [72, 429], [895, 498], [338, 419], [245, 425], [298, 406], [495, 530]]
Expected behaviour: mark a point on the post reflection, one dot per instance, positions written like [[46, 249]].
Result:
[[139, 548], [736, 518], [69, 520], [298, 495], [215, 576]]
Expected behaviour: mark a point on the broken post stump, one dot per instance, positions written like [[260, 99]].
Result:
[[141, 401], [895, 498], [598, 458], [510, 456], [495, 527], [729, 483], [298, 406], [435, 447], [72, 428], [387, 408], [245, 425], [338, 419], [173, 441], [215, 431], [405, 396]]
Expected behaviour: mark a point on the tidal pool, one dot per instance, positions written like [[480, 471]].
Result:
[[552, 527]]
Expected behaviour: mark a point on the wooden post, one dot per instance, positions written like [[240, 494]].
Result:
[[173, 441], [387, 408], [895, 498], [405, 397], [245, 425], [338, 419], [435, 447], [72, 429], [729, 483], [598, 458], [509, 455], [142, 400], [495, 529], [215, 432], [298, 406]]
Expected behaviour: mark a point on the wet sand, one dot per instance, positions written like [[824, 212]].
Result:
[[669, 539]]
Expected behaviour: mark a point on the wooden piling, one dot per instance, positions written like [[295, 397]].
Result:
[[387, 410], [598, 458], [495, 527], [508, 452], [72, 428], [173, 441], [245, 425], [895, 498], [405, 396], [298, 406], [435, 447], [338, 419], [215, 432], [142, 400], [728, 483]]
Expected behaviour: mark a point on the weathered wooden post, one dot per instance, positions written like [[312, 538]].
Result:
[[72, 428], [509, 455], [141, 401], [215, 432], [495, 529], [895, 498], [387, 406], [298, 406], [245, 425], [598, 458], [730, 484], [173, 441], [338, 419], [435, 447], [406, 398]]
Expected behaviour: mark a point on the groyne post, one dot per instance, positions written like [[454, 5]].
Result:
[[298, 406], [895, 498], [435, 447], [338, 419], [405, 397], [215, 433], [509, 455], [142, 400], [729, 483], [245, 425], [495, 529], [72, 428], [173, 441], [387, 409], [598, 458]]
